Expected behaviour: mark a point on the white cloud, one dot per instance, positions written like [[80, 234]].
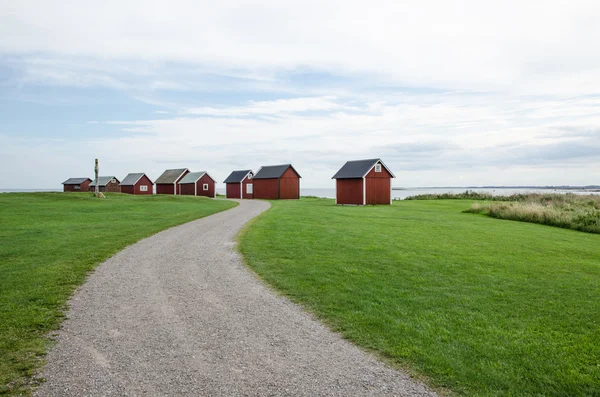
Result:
[[538, 46], [491, 92], [463, 140]]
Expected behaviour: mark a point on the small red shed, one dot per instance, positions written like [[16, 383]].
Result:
[[274, 182], [106, 184], [76, 185], [238, 185], [167, 183], [363, 182], [137, 183], [198, 184]]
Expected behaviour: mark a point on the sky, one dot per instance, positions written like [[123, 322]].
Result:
[[446, 93]]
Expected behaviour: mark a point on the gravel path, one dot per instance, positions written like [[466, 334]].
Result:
[[179, 314]]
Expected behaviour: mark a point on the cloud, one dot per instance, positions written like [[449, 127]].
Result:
[[446, 93], [544, 47]]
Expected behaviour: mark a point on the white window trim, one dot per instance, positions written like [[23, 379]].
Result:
[[378, 167], [143, 188], [249, 189], [205, 186]]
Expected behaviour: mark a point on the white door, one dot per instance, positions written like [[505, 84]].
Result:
[[249, 188]]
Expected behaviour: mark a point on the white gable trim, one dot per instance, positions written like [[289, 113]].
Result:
[[379, 161]]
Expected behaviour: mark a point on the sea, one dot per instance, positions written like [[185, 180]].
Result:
[[402, 193]]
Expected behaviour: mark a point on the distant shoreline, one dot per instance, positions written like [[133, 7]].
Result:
[[591, 188]]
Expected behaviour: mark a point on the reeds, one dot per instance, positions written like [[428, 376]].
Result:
[[569, 211]]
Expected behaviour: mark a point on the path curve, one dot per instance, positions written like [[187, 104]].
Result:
[[179, 314]]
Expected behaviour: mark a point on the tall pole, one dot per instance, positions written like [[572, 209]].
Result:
[[97, 188]]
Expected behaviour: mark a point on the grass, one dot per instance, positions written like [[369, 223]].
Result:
[[50, 241], [471, 304], [569, 211]]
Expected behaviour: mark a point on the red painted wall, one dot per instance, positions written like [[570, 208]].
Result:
[[289, 185], [189, 189], [211, 186], [245, 183], [110, 187], [135, 189], [379, 186], [232, 190], [84, 187], [167, 188], [349, 191], [266, 188]]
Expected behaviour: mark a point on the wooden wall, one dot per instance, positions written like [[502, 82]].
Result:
[[349, 191], [211, 186], [289, 185], [266, 188], [167, 188], [232, 190], [136, 189], [84, 187], [379, 185], [245, 183]]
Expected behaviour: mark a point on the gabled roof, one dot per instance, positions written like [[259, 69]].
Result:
[[104, 180], [75, 181], [237, 176], [358, 169], [132, 179], [273, 171], [170, 176], [193, 177]]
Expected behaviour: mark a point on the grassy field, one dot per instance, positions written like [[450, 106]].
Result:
[[49, 241], [476, 305]]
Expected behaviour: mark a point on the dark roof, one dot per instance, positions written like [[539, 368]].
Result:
[[237, 176], [171, 176], [193, 177], [358, 169], [132, 179], [273, 171], [75, 181], [104, 180]]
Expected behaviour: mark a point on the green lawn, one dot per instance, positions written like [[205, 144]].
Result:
[[49, 241], [476, 305]]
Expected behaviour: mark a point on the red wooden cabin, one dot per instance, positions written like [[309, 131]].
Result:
[[76, 185], [274, 182], [167, 183], [198, 184], [106, 184], [137, 183], [239, 185], [363, 182]]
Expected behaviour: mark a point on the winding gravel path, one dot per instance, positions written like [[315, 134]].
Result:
[[179, 314]]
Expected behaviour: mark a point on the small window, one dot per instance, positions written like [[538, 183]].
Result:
[[113, 181], [143, 188], [249, 176], [377, 167], [205, 186], [76, 187], [249, 188]]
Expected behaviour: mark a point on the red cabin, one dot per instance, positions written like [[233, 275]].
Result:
[[238, 185], [167, 183], [363, 182], [76, 185], [137, 183], [106, 184], [274, 182], [198, 184]]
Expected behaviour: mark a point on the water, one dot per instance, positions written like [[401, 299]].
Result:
[[398, 194], [402, 194]]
